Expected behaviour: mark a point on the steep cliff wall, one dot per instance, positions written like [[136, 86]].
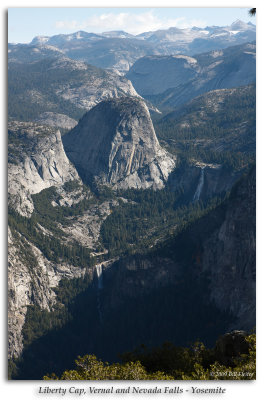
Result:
[[229, 256], [36, 161], [217, 180], [222, 245], [31, 277]]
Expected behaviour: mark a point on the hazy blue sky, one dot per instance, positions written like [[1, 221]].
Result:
[[26, 23]]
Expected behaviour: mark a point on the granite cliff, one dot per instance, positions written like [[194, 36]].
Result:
[[36, 161], [31, 277], [115, 143]]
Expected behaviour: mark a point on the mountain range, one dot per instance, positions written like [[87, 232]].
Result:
[[119, 50]]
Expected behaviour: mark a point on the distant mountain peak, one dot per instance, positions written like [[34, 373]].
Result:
[[40, 39], [119, 34], [239, 25]]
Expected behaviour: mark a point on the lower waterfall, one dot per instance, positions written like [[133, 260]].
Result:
[[199, 188], [99, 273]]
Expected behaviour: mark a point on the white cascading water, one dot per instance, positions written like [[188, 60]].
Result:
[[99, 273], [199, 188]]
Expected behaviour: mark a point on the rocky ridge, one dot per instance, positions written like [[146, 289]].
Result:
[[63, 92], [169, 81], [56, 120], [100, 85]]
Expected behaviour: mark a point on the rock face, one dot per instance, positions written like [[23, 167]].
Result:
[[85, 229], [97, 84], [36, 161], [115, 143], [213, 178], [30, 284], [138, 276]]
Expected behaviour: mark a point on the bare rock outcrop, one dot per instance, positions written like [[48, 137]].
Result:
[[115, 144]]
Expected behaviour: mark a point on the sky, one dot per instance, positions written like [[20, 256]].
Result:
[[26, 23]]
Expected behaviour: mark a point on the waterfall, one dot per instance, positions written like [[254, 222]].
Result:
[[199, 188], [99, 274]]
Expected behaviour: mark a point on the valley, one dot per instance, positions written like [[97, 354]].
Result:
[[131, 193]]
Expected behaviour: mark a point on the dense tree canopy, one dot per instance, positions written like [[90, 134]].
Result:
[[167, 363]]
